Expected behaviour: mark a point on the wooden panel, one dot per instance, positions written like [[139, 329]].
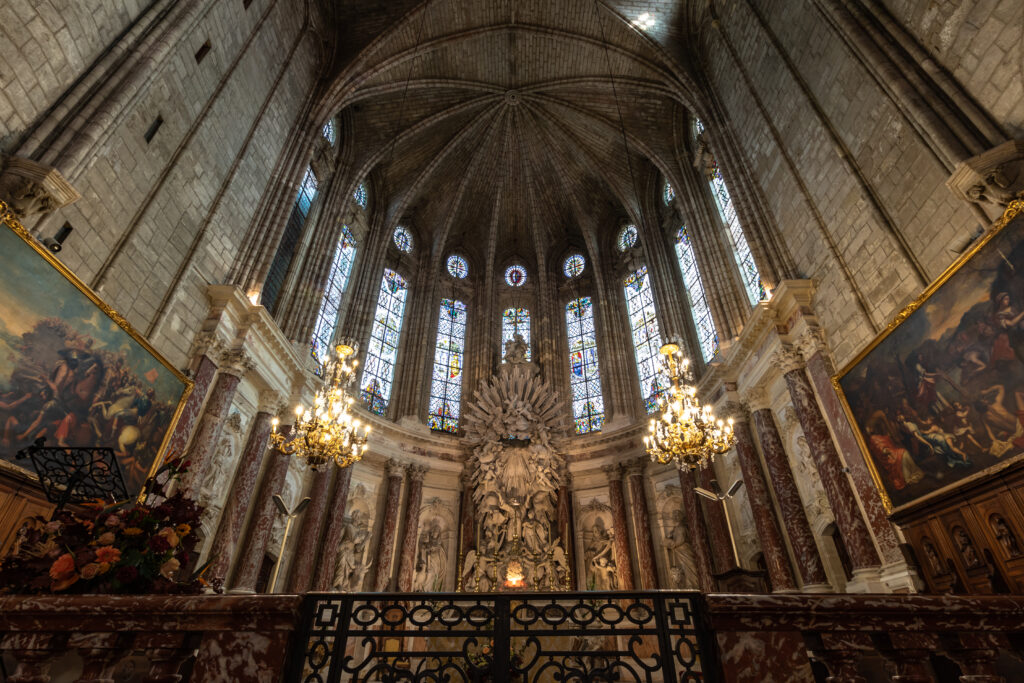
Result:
[[19, 499]]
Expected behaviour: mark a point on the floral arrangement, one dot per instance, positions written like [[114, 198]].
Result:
[[131, 547]]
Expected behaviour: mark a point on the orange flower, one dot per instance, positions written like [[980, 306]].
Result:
[[104, 567], [132, 531], [90, 571], [106, 538], [62, 567], [108, 554], [64, 583], [183, 529]]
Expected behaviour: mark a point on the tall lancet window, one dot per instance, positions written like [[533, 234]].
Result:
[[643, 323], [290, 239], [337, 280], [707, 335], [516, 321], [741, 248], [584, 375], [446, 384], [382, 351], [307, 191]]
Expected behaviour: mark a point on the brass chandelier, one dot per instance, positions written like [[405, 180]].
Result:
[[685, 433], [328, 430]]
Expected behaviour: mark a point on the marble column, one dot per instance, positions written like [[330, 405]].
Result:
[[623, 561], [801, 538], [841, 496], [386, 545], [767, 525], [308, 541], [413, 503], [233, 366], [242, 489], [642, 525], [261, 523], [719, 533], [327, 561], [698, 532], [201, 382]]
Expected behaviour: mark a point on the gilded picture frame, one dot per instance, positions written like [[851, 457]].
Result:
[[73, 370], [936, 400]]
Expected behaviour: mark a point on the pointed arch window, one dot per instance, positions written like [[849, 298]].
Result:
[[330, 304], [669, 193], [307, 191], [382, 351], [329, 132], [584, 373], [516, 321], [360, 195], [446, 383], [707, 335], [643, 325]]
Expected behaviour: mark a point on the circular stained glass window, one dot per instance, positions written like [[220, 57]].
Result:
[[627, 237], [515, 276], [457, 266], [403, 239], [574, 265]]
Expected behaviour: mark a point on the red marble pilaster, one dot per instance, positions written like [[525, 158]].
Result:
[[411, 534], [201, 383], [241, 492], [623, 561], [841, 496], [312, 525], [328, 556], [698, 532], [386, 545], [761, 504], [261, 523], [801, 538], [718, 527], [642, 526], [234, 365], [467, 523]]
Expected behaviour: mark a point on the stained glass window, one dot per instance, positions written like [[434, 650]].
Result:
[[360, 195], [574, 265], [382, 351], [307, 191], [403, 239], [627, 237], [327, 318], [670, 192], [457, 266], [515, 276], [741, 249], [699, 310], [446, 385], [584, 375], [698, 127], [643, 323], [515, 321], [329, 133]]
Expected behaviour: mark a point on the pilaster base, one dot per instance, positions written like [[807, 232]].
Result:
[[817, 588], [867, 580], [899, 577]]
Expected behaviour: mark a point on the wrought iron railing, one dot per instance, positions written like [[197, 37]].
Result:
[[655, 637]]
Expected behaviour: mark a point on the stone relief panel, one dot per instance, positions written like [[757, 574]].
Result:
[[596, 546], [677, 551], [217, 481], [808, 483], [353, 555], [435, 547]]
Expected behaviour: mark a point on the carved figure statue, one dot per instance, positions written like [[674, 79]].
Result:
[[604, 573], [1005, 536], [933, 558], [515, 349], [431, 558], [352, 566], [966, 548]]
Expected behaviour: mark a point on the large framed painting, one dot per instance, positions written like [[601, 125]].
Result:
[[937, 399], [74, 371]]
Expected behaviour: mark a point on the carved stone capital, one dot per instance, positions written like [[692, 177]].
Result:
[[394, 468], [787, 359], [810, 342], [613, 472], [756, 398], [234, 423], [995, 176], [31, 188], [735, 410], [207, 343], [271, 402], [635, 466], [415, 472], [236, 362]]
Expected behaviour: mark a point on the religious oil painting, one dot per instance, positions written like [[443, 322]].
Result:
[[72, 371], [938, 399]]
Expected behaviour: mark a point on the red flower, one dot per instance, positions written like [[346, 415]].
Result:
[[63, 567], [108, 554], [159, 544]]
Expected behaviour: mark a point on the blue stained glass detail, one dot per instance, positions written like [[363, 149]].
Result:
[[329, 132], [513, 321], [307, 191], [382, 351], [403, 239], [707, 335], [670, 193], [337, 280], [446, 382], [627, 237], [574, 265], [515, 276], [643, 325], [584, 373], [360, 195], [457, 266]]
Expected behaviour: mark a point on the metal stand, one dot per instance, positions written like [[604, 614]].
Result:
[[75, 475], [290, 516], [720, 496]]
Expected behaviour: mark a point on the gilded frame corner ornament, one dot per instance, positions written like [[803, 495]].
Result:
[[9, 219], [1015, 208]]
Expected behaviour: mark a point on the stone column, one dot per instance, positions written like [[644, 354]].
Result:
[[242, 488], [761, 504], [801, 538], [234, 364], [467, 522], [623, 562], [386, 545], [719, 533], [328, 558], [698, 532], [261, 524], [413, 503], [308, 542], [565, 523], [841, 496], [201, 382], [642, 525]]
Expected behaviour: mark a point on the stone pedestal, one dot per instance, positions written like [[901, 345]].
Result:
[[620, 527], [718, 528], [801, 538], [767, 525], [308, 543], [642, 526], [698, 532], [386, 545], [413, 503], [234, 364], [327, 559]]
